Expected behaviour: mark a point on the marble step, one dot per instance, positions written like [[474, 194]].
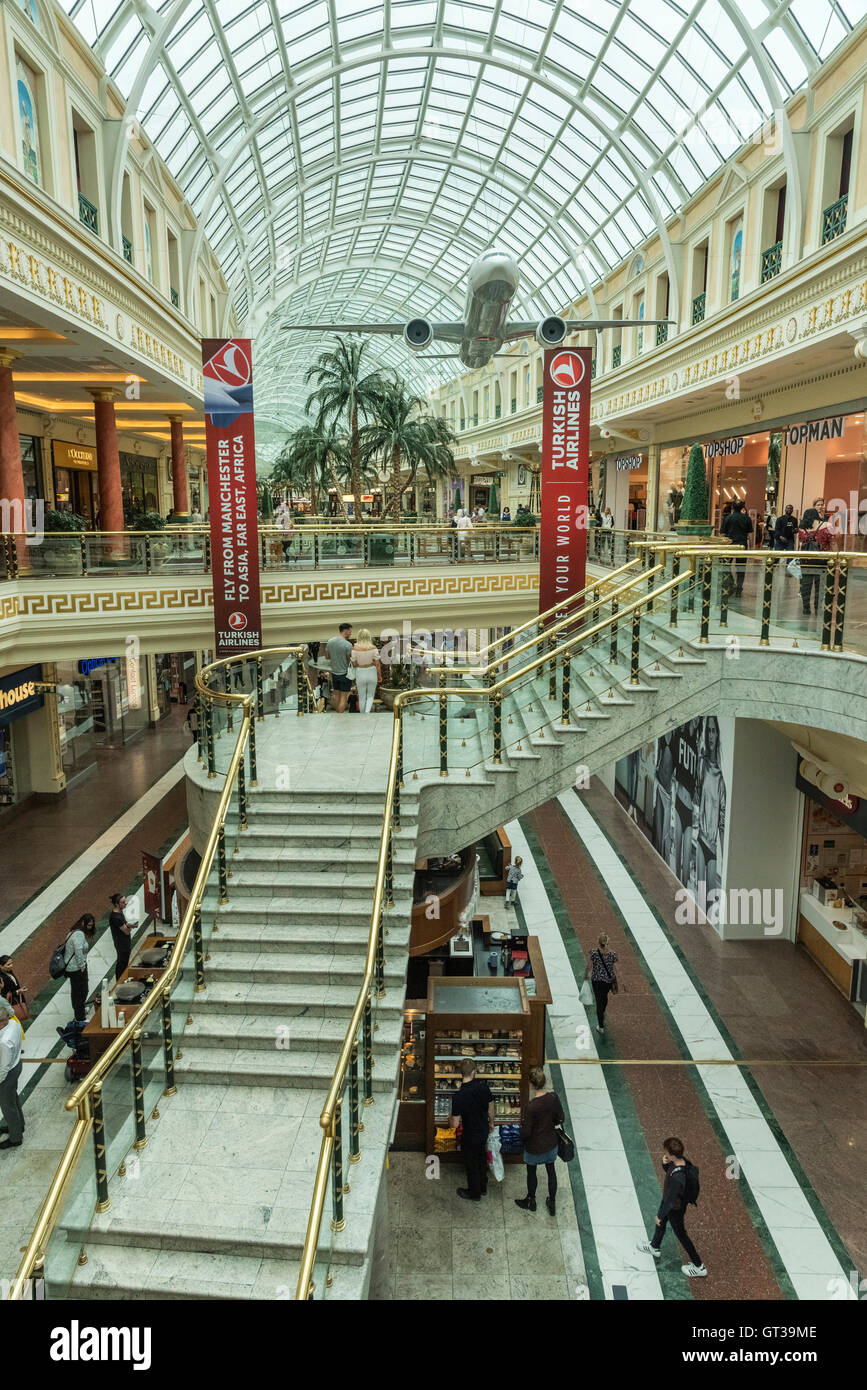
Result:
[[113, 1273], [274, 880], [336, 813], [236, 1029], [304, 911], [314, 969], [289, 1001], [365, 836], [315, 857], [306, 801], [342, 938], [204, 1062]]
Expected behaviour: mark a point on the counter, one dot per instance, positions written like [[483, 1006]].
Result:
[[838, 953]]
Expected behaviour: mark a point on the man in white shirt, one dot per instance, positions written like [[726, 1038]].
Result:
[[11, 1039]]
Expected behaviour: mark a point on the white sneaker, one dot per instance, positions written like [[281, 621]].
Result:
[[644, 1247], [694, 1271]]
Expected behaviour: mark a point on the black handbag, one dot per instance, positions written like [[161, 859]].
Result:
[[565, 1146]]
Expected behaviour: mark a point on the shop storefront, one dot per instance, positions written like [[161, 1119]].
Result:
[[101, 703], [626, 490], [139, 481], [176, 679], [75, 482], [832, 918], [31, 465], [18, 699], [788, 462]]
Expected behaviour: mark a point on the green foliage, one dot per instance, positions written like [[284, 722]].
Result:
[[64, 521], [695, 495], [345, 394], [401, 436], [146, 521]]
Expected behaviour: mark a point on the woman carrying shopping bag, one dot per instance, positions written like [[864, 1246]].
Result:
[[600, 968], [541, 1141]]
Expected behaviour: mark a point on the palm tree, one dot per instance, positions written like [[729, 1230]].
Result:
[[395, 435], [437, 460], [311, 457], [346, 391]]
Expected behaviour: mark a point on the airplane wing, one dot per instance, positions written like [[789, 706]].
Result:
[[443, 332], [527, 330]]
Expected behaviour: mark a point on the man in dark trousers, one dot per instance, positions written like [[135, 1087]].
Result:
[[474, 1105], [675, 1194], [786, 529], [737, 528]]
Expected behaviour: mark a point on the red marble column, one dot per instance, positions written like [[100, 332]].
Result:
[[11, 472], [108, 467], [179, 470]]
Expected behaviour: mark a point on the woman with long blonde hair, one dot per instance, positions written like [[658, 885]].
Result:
[[364, 660]]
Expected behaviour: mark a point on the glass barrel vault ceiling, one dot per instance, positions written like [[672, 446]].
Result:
[[349, 160]]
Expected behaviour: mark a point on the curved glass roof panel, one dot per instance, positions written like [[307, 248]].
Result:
[[352, 157]]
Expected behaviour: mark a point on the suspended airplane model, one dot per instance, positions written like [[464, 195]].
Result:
[[492, 283]]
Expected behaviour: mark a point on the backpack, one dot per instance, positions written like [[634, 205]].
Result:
[[57, 964], [691, 1185]]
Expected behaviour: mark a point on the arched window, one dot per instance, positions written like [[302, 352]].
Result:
[[29, 8], [28, 121], [637, 266]]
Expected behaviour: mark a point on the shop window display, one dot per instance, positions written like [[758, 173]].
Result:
[[828, 459]]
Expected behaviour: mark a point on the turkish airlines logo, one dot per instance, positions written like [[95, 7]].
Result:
[[567, 370], [231, 365], [237, 621]]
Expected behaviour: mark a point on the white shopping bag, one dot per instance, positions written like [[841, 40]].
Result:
[[495, 1158]]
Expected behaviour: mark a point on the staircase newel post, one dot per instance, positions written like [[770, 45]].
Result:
[[706, 572], [221, 864], [724, 589], [198, 951], [338, 1221], [767, 591], [380, 959], [168, 1046], [828, 606], [354, 1127], [842, 578], [103, 1201], [566, 689], [552, 675], [209, 737], [675, 593], [260, 690], [389, 872], [443, 728], [367, 1050], [242, 798], [302, 700], [138, 1091], [498, 727], [634, 655], [614, 609], [254, 782]]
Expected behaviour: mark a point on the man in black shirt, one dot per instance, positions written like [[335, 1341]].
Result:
[[120, 933], [786, 529], [474, 1105], [737, 528]]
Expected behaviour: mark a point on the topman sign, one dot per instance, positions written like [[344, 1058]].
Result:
[[815, 430]]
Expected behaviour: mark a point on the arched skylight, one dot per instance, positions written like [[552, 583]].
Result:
[[349, 157]]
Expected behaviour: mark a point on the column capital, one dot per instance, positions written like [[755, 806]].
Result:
[[103, 393], [176, 419], [8, 356]]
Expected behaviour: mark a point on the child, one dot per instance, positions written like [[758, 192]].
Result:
[[513, 878]]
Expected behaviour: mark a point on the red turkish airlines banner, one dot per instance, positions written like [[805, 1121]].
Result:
[[227, 364], [565, 474]]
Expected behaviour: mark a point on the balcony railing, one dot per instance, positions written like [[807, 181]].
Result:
[[176, 298], [834, 219], [540, 390], [88, 214], [699, 304], [772, 261], [127, 249], [661, 334], [476, 418], [463, 423], [514, 404], [593, 369], [498, 410], [617, 356]]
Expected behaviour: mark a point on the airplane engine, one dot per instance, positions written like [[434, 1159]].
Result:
[[418, 334], [551, 332]]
